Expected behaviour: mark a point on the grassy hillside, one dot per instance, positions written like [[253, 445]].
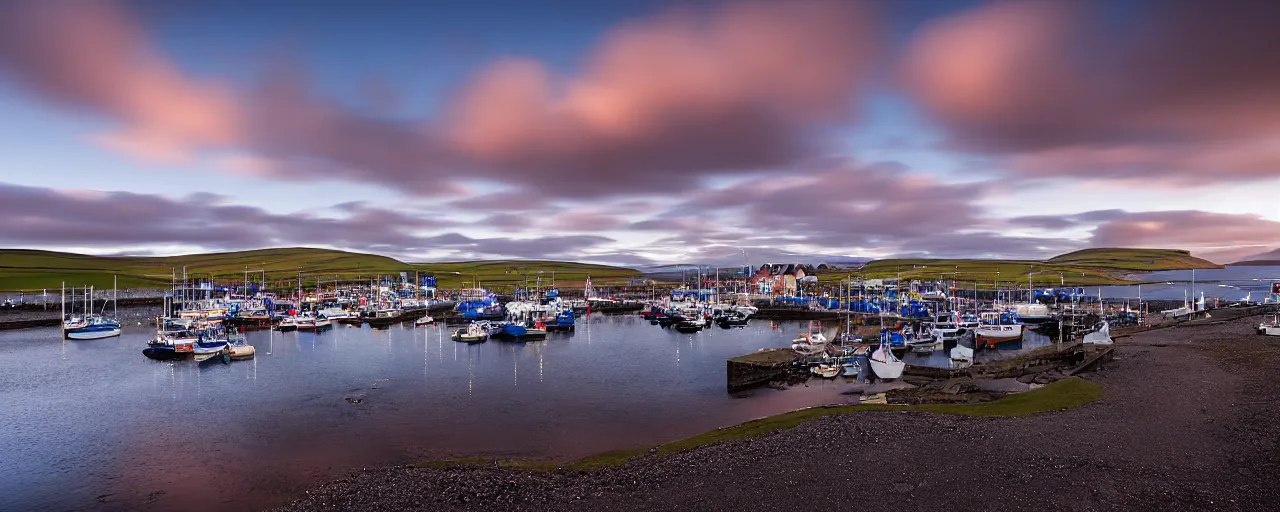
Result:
[[1088, 267], [33, 270], [500, 274]]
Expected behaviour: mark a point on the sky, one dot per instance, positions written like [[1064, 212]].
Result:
[[641, 133]]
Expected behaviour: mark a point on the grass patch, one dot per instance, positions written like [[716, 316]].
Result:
[[1065, 394]]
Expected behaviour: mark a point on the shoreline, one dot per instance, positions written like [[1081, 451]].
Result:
[[1175, 422]]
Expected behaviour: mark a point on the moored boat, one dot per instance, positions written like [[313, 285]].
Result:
[[383, 318], [827, 371], [91, 327], [288, 323], [240, 350], [999, 337], [691, 325], [472, 333], [1033, 313], [884, 364]]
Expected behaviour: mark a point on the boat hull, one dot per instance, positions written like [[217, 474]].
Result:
[[242, 352], [999, 342], [164, 353], [95, 334]]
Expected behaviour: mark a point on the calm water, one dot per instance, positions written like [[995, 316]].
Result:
[[1229, 284], [94, 425]]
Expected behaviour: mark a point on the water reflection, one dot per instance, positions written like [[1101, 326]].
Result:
[[89, 413]]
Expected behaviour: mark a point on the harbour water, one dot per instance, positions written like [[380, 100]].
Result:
[[93, 425], [1229, 284]]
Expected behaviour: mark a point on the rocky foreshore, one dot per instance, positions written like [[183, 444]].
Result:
[[1187, 422]]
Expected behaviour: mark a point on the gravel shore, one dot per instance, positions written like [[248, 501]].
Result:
[[1189, 421]]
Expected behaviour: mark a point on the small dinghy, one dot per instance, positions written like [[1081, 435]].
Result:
[[206, 349], [424, 321], [884, 364], [241, 351], [827, 371]]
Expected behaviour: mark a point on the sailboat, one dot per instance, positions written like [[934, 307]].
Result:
[[89, 326], [884, 364]]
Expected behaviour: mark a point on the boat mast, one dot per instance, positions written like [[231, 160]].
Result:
[[62, 307], [115, 297]]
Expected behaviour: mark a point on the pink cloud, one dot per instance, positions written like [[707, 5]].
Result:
[[89, 55], [735, 87], [657, 104], [1191, 89]]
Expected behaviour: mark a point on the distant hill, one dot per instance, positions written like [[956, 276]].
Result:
[[1266, 258], [1135, 259], [23, 269], [1088, 267]]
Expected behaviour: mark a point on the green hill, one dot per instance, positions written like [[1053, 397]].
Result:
[[1088, 267], [22, 269], [501, 274]]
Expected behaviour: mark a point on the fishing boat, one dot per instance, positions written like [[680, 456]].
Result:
[[537, 331], [472, 333], [945, 328], [733, 320], [514, 330], [564, 321], [999, 337], [288, 323], [884, 364], [692, 325], [316, 322], [384, 318]]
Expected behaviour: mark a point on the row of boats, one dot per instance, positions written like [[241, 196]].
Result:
[[198, 339], [690, 316]]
